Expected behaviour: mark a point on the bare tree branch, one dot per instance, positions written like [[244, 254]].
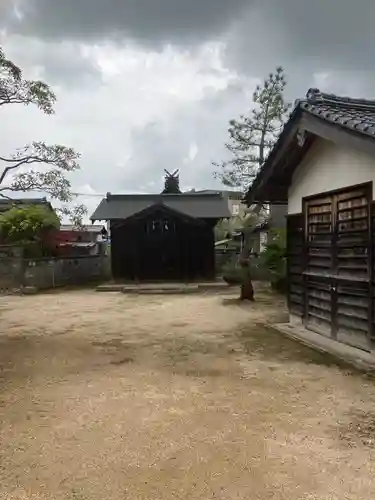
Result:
[[53, 181], [2, 195], [56, 160]]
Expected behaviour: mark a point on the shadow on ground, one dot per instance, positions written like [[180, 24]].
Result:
[[28, 358], [183, 352], [272, 302], [262, 341]]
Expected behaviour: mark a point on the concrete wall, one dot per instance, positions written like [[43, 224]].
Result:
[[16, 272], [44, 274], [327, 167]]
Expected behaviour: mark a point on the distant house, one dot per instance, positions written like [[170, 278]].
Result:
[[323, 167], [90, 233], [235, 199], [6, 205], [166, 236], [85, 240], [238, 207]]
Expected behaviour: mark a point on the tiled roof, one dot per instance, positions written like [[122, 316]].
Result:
[[92, 228], [208, 206], [353, 114], [318, 109], [224, 192], [6, 204]]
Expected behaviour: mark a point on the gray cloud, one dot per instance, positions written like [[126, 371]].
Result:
[[204, 126], [304, 36], [335, 34], [60, 63], [145, 20], [127, 142]]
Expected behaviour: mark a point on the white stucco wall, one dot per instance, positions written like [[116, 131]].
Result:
[[327, 167]]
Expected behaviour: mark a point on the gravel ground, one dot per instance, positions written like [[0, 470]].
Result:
[[104, 396]]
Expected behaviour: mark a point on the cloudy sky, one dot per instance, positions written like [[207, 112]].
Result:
[[144, 85]]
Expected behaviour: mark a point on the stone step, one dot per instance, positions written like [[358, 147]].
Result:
[[162, 288], [110, 287]]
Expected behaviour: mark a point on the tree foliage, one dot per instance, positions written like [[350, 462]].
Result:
[[75, 214], [54, 161], [7, 68], [252, 137], [225, 227], [16, 90], [273, 258], [28, 226]]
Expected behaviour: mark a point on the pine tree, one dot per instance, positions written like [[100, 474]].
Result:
[[253, 136]]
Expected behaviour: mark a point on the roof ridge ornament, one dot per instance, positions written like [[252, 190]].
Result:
[[171, 182], [314, 95]]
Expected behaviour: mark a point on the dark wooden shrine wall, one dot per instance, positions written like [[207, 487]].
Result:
[[352, 254], [372, 256], [295, 263], [331, 265], [184, 251], [337, 273]]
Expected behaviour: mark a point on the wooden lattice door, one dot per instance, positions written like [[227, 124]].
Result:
[[337, 266], [319, 264]]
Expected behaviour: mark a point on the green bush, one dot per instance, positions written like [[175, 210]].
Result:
[[232, 272], [28, 226], [273, 258]]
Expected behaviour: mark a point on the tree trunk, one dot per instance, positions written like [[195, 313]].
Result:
[[247, 289]]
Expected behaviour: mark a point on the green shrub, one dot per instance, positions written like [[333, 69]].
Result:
[[232, 272], [28, 226], [273, 258]]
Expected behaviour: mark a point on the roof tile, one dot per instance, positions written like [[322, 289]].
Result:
[[353, 114], [212, 205], [347, 114]]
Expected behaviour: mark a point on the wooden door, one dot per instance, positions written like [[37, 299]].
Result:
[[338, 272], [353, 267], [319, 264]]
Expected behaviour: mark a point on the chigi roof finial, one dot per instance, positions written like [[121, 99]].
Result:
[[171, 182]]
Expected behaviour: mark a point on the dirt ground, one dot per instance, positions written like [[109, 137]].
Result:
[[105, 396]]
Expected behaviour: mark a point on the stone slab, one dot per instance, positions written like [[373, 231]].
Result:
[[110, 287], [157, 288]]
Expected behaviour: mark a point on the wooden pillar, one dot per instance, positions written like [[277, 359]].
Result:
[[295, 264], [114, 251]]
